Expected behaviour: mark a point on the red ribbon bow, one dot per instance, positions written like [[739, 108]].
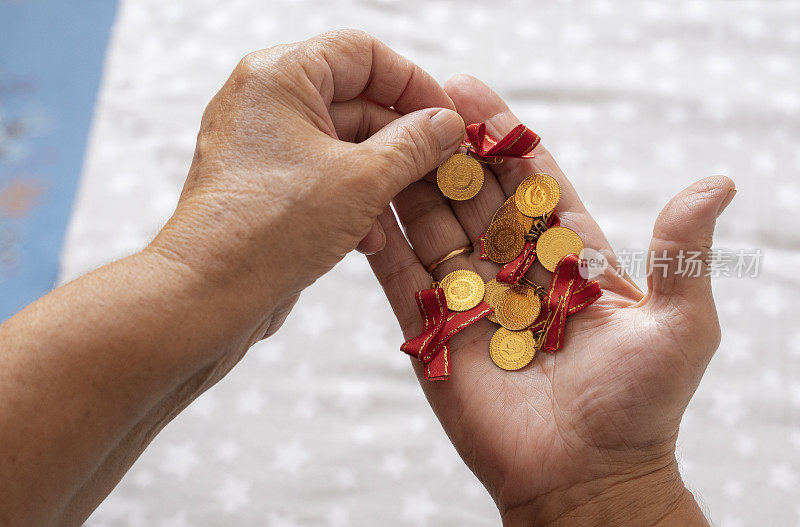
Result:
[[519, 142], [438, 326], [569, 293]]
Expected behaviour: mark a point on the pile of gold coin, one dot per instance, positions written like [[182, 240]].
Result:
[[522, 218], [516, 307]]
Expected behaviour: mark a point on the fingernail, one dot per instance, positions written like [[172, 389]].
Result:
[[449, 129], [726, 201]]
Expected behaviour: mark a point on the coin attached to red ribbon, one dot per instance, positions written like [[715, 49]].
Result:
[[524, 228], [461, 177], [569, 293], [439, 325]]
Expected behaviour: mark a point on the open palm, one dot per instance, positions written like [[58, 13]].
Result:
[[605, 409]]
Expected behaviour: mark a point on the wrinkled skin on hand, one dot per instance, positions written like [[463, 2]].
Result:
[[296, 157], [572, 436]]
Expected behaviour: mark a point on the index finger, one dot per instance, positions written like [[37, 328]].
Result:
[[354, 63]]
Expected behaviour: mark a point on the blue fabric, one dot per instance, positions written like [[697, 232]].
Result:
[[51, 55]]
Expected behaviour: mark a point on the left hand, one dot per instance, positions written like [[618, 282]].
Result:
[[587, 434]]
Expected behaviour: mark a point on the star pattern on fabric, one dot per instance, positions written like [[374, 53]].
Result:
[[418, 508], [180, 459], [291, 457], [233, 493], [324, 422]]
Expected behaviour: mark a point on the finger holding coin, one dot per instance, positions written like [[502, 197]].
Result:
[[477, 103]]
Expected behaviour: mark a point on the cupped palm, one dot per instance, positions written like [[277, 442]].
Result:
[[609, 402]]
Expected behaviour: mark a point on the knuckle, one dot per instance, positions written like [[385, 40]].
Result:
[[353, 35], [348, 36], [250, 66], [209, 119], [353, 43], [257, 65], [425, 147]]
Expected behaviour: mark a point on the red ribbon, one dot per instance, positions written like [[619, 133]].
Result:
[[519, 142], [438, 326], [511, 272], [569, 293], [482, 238]]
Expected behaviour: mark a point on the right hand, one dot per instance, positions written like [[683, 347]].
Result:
[[586, 434], [297, 155]]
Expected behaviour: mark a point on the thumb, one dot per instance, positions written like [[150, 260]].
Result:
[[681, 249], [415, 144]]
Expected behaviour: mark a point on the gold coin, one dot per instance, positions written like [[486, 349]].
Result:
[[504, 240], [518, 307], [463, 290], [509, 209], [494, 291], [555, 243], [460, 177], [537, 195], [511, 350]]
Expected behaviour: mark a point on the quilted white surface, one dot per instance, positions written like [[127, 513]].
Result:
[[635, 98]]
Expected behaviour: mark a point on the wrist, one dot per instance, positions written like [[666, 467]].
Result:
[[96, 368], [249, 268], [221, 309], [651, 495]]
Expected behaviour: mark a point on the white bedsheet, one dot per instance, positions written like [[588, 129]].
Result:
[[325, 424]]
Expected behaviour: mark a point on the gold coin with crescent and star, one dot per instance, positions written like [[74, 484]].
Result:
[[463, 290], [537, 195], [460, 177], [518, 307], [509, 210], [555, 243], [512, 350], [504, 240]]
